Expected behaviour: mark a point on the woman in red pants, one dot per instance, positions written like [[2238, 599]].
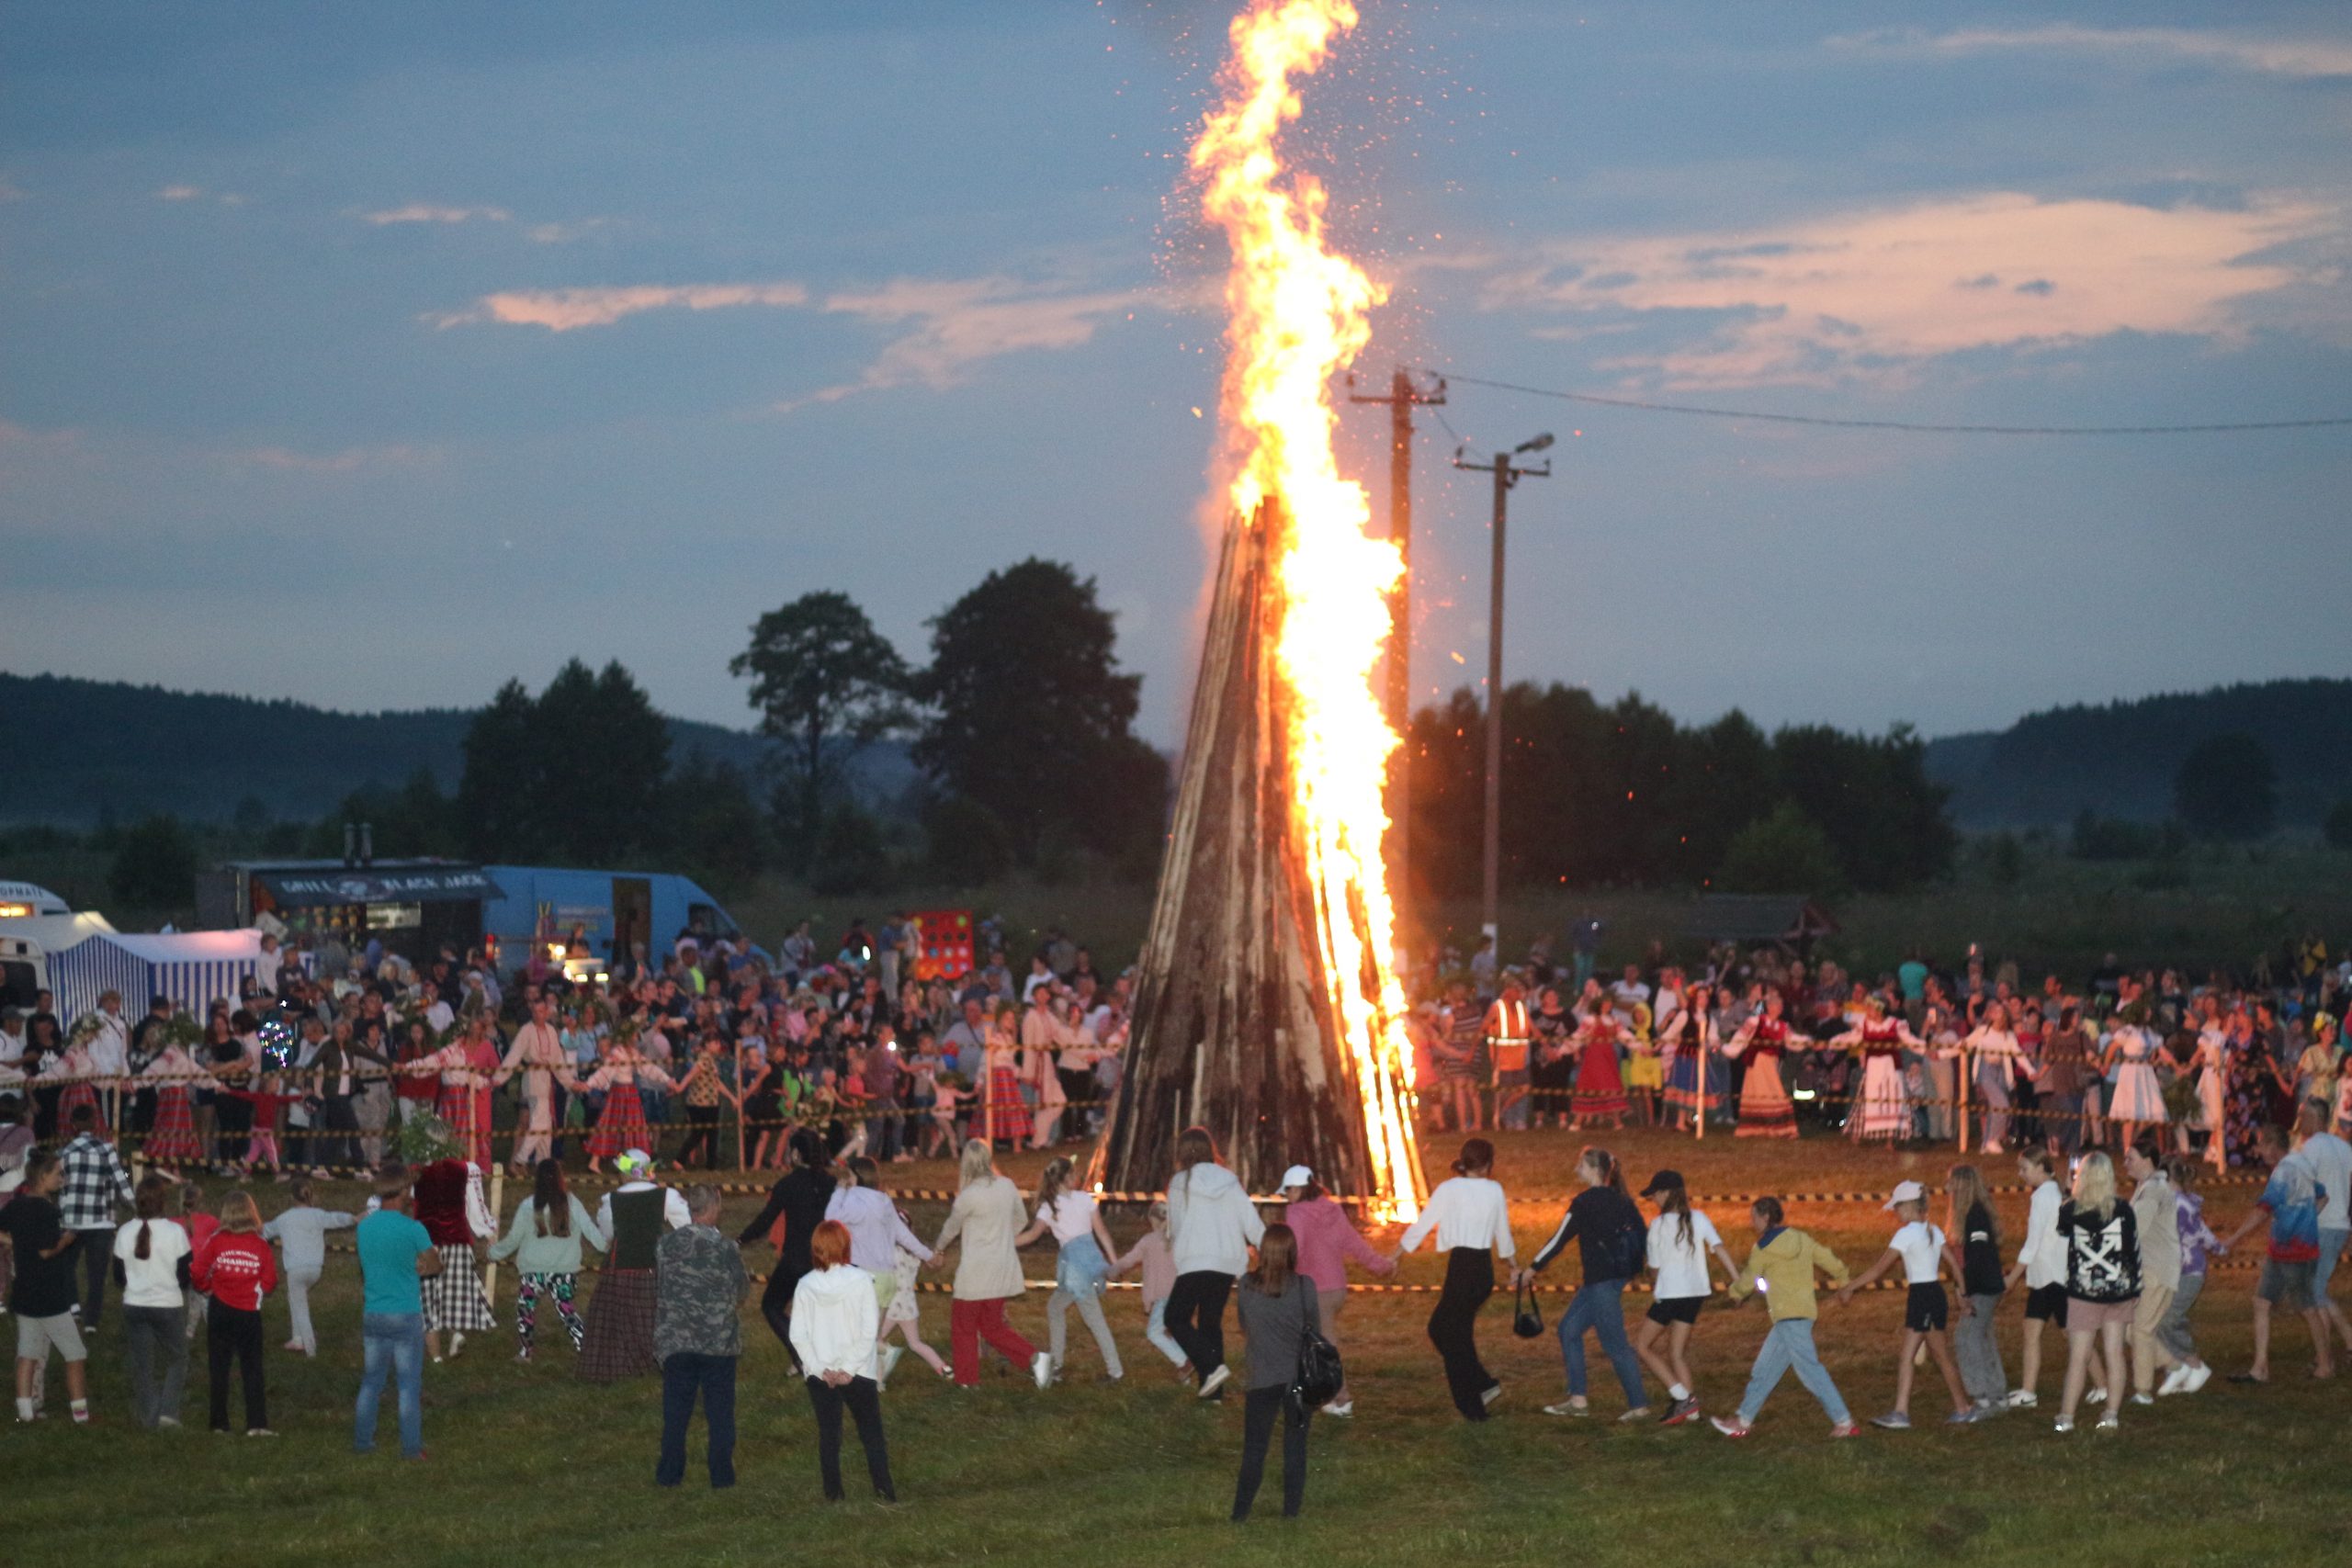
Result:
[[988, 1214]]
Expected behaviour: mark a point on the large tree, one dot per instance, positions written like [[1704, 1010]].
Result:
[[1030, 717], [576, 774], [827, 685]]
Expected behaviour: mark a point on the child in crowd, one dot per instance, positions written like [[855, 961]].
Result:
[[544, 1241], [1781, 1268], [1919, 1247], [903, 1312], [236, 1270], [1974, 1244], [2199, 1244], [1150, 1253], [301, 1232]]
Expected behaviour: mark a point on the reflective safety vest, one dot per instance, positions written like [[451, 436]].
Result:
[[1508, 1036]]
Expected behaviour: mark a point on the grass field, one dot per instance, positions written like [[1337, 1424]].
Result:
[[528, 1466]]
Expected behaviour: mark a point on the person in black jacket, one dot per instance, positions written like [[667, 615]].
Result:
[[798, 1200], [1612, 1242], [1278, 1310]]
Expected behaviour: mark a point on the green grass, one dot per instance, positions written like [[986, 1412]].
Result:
[[528, 1466]]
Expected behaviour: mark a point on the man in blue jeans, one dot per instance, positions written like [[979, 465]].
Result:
[[700, 1284], [395, 1254]]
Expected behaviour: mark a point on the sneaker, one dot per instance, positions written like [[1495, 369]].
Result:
[[168, 1423], [2109, 1423], [1844, 1429], [524, 1355], [2023, 1399], [1731, 1428], [2197, 1378], [2174, 1381], [259, 1432], [2143, 1399], [890, 1361], [1893, 1421], [2096, 1395], [1209, 1385], [1342, 1411], [2064, 1424], [457, 1343], [1962, 1417], [1041, 1367], [1567, 1407], [1490, 1394], [1681, 1411], [1639, 1412]]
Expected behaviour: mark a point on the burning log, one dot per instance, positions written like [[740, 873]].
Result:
[[1239, 1016]]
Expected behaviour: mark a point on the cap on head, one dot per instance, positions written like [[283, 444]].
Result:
[[1905, 1192], [1299, 1176], [1663, 1181]]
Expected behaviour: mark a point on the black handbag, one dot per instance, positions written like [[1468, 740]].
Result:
[[1319, 1377], [1527, 1322]]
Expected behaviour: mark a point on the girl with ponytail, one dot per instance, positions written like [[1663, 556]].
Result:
[[150, 1264], [1082, 1270], [1612, 1242]]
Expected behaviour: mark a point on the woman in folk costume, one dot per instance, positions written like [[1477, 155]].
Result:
[[1881, 1114], [177, 1077], [1012, 1109], [77, 1069], [2211, 1064], [449, 1206], [1688, 1037], [1601, 1088], [538, 1054], [1765, 1109], [1041, 1039], [464, 1077], [617, 1336], [623, 1077]]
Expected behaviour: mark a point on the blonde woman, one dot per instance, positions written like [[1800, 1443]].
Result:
[[2102, 1243], [986, 1218]]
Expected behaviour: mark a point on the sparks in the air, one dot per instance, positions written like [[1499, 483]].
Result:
[[1299, 313]]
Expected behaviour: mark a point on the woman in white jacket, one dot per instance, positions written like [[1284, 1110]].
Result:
[[835, 1325], [1211, 1225]]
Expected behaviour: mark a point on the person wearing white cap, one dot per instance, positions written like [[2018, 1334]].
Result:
[[1919, 1247], [1328, 1240]]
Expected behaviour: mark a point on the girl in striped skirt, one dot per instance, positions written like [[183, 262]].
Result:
[[172, 1140], [1765, 1109], [621, 1127], [77, 1072], [1005, 1099], [459, 1105]]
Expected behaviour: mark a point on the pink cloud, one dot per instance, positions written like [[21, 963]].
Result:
[[568, 310], [1871, 292], [946, 326], [350, 460]]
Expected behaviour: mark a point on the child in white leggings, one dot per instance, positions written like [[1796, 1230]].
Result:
[[1151, 1255]]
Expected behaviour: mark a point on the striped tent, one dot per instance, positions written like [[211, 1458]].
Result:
[[191, 969]]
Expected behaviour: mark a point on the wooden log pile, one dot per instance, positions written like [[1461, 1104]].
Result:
[[1235, 1023]]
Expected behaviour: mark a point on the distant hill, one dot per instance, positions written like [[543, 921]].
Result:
[[2119, 759], [72, 749]]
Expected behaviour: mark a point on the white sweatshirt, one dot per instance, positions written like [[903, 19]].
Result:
[[835, 1321], [1212, 1224]]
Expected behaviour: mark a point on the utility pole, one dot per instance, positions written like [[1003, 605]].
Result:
[[1402, 395], [1506, 476]]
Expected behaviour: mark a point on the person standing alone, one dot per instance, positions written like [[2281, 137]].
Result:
[[396, 1254], [699, 1286]]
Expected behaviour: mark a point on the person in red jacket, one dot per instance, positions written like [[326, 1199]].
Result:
[[449, 1206], [235, 1268]]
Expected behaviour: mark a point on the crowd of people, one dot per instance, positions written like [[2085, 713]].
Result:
[[840, 1067]]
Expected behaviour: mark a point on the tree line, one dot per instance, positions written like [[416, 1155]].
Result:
[[1622, 793]]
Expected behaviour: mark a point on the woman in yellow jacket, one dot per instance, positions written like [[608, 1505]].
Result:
[[1781, 1268]]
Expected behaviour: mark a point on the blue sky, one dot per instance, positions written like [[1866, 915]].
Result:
[[368, 355]]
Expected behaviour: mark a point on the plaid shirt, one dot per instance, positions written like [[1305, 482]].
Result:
[[94, 1178]]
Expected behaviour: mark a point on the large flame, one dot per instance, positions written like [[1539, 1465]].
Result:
[[1299, 313]]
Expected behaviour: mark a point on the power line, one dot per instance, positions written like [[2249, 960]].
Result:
[[1908, 426]]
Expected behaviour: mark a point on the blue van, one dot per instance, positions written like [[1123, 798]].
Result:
[[610, 909]]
